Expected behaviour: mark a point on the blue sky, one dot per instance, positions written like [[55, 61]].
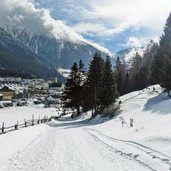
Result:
[[114, 24]]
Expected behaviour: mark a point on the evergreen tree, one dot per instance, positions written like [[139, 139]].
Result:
[[92, 84], [161, 64], [134, 72], [120, 70], [81, 73], [136, 65], [72, 93], [127, 84], [140, 71], [81, 77], [148, 56], [108, 90]]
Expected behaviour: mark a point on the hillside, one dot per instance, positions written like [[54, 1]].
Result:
[[17, 60], [128, 55], [53, 51], [103, 144], [27, 55]]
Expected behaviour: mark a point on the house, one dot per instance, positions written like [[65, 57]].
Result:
[[56, 87], [7, 93], [10, 81], [38, 87]]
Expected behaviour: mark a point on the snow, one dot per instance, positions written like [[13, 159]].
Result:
[[64, 72], [11, 115], [128, 57], [98, 144]]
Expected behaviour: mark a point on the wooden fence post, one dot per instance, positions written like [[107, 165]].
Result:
[[3, 128], [25, 123], [38, 120], [16, 126], [32, 120]]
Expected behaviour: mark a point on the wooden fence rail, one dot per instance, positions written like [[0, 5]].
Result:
[[26, 123]]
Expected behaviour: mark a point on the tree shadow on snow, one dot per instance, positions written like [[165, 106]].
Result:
[[67, 122], [160, 104]]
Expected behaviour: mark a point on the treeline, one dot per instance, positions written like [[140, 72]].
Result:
[[137, 76], [92, 90], [161, 64], [99, 87], [154, 67]]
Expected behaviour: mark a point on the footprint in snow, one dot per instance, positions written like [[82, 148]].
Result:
[[165, 160], [135, 156]]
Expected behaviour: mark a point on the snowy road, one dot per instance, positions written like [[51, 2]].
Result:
[[75, 146]]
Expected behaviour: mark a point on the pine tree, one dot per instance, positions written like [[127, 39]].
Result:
[[136, 65], [161, 64], [120, 71], [134, 72], [127, 84], [81, 73], [92, 84], [81, 77], [72, 93], [108, 90]]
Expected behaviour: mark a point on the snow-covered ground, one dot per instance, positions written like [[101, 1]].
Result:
[[11, 115], [97, 144]]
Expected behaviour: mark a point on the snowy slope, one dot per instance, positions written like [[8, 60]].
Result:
[[64, 72], [97, 144], [127, 55]]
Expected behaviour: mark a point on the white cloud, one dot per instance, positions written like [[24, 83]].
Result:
[[114, 16], [98, 29], [134, 42], [139, 41], [95, 18], [23, 14]]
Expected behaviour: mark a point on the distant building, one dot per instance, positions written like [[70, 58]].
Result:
[[9, 81], [55, 79], [56, 87], [7, 93], [38, 87]]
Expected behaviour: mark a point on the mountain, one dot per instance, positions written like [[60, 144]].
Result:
[[17, 60], [55, 52], [127, 55], [54, 44], [38, 55]]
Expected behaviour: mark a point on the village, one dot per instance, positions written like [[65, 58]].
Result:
[[18, 92]]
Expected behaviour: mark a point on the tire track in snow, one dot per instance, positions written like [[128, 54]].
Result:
[[142, 152]]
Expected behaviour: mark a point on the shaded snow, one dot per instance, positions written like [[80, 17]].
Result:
[[64, 72]]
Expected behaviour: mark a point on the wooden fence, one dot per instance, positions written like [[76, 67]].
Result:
[[25, 124]]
